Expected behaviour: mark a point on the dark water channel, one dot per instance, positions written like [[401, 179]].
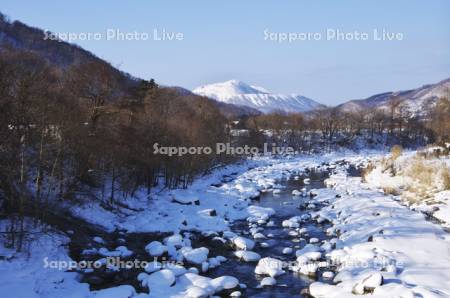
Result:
[[285, 205]]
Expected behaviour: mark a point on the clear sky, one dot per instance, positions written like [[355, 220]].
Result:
[[225, 40]]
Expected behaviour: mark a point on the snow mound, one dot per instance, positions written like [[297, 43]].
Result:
[[269, 266]]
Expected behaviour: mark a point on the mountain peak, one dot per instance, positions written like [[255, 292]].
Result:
[[226, 89], [239, 93]]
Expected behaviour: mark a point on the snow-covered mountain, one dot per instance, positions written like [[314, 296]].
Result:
[[241, 94], [416, 101]]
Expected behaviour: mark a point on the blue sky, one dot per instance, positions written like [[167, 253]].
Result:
[[225, 40]]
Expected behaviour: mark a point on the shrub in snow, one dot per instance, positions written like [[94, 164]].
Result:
[[414, 177], [269, 266]]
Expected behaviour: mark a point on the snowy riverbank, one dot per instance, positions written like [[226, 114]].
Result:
[[375, 243]]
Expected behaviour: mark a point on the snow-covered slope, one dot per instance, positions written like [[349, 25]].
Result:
[[416, 100], [241, 94]]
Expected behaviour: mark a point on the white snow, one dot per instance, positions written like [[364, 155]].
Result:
[[120, 251], [156, 248], [268, 282], [379, 236], [375, 235], [269, 266], [160, 278], [242, 243], [247, 256], [287, 250], [195, 255], [124, 291], [239, 93]]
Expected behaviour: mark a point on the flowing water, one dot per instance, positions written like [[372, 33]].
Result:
[[285, 205]]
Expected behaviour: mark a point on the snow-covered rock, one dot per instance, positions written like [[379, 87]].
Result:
[[120, 251], [242, 243], [156, 248], [257, 236], [269, 266], [224, 283], [287, 250], [296, 193], [153, 266], [247, 256], [313, 240], [176, 240], [268, 282], [160, 278], [197, 292], [368, 284], [195, 255]]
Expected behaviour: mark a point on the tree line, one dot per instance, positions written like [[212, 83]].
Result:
[[331, 128], [87, 132]]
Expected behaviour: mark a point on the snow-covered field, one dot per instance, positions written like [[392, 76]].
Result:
[[383, 246], [377, 243]]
